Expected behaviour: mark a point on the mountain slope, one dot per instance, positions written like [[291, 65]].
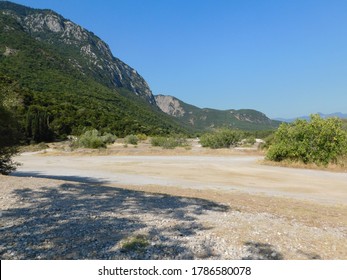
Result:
[[85, 51], [61, 89], [201, 119], [62, 79]]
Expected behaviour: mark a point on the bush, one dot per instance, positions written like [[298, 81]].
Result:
[[9, 137], [108, 138], [224, 138], [131, 139], [93, 140], [157, 141], [141, 137], [319, 141], [267, 142], [250, 140], [169, 142], [7, 165]]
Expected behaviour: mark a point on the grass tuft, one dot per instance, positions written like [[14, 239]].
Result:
[[136, 243]]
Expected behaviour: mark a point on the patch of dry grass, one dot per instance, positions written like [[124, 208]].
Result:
[[341, 167], [33, 147], [145, 148]]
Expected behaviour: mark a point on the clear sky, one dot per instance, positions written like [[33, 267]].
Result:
[[286, 58]]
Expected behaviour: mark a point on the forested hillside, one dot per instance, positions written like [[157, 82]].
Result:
[[207, 119], [52, 98]]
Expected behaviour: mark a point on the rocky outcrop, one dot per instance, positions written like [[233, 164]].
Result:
[[8, 51], [170, 105], [87, 53]]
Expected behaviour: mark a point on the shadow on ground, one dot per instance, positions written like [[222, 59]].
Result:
[[261, 251], [88, 221], [79, 179], [310, 255]]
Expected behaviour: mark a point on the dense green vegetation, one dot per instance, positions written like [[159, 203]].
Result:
[[344, 124], [9, 131], [319, 141], [54, 99]]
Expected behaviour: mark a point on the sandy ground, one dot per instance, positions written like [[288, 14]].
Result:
[[225, 173], [269, 212]]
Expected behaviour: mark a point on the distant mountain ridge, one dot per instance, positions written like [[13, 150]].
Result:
[[337, 114], [208, 118]]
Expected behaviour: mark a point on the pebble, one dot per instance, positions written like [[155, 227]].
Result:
[[79, 223]]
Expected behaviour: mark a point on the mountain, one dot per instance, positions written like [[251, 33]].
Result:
[[337, 114], [85, 51], [60, 78], [201, 119]]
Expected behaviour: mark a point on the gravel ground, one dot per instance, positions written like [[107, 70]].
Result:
[[224, 173], [55, 219]]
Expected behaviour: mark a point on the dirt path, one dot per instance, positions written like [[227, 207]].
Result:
[[228, 173]]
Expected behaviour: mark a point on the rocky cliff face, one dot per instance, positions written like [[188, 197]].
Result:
[[170, 105], [85, 51]]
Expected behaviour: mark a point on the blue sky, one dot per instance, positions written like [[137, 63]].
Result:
[[284, 58]]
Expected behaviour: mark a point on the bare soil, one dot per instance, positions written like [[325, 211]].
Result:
[[197, 203]]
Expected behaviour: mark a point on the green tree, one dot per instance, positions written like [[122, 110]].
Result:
[[319, 141], [8, 138], [37, 125]]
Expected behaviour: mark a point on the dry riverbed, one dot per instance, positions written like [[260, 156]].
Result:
[[180, 204]]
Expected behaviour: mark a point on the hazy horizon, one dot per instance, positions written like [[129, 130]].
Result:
[[285, 59]]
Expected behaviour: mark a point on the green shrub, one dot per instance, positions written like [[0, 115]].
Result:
[[131, 139], [7, 165], [267, 142], [137, 243], [319, 141], [9, 135], [141, 137], [108, 138], [344, 124], [224, 138], [250, 140], [169, 142], [93, 140]]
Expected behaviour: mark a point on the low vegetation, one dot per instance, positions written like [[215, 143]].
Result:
[[136, 243], [131, 139], [141, 137], [93, 139], [170, 142], [7, 165], [224, 138], [248, 141], [318, 141]]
